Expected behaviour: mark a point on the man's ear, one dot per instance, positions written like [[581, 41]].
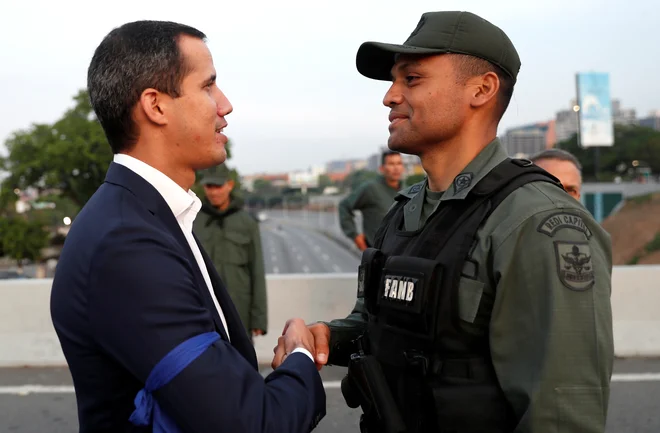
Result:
[[155, 105], [484, 89]]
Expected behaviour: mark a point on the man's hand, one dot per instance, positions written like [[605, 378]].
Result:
[[361, 242], [321, 341], [294, 335], [256, 332]]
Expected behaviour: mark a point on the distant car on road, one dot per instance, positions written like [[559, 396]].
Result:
[[261, 216]]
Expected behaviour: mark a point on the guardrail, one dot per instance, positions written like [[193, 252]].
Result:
[[27, 337]]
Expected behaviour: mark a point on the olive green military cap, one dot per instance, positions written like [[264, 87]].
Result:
[[441, 33], [217, 175]]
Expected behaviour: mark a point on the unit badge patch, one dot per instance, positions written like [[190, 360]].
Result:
[[574, 265]]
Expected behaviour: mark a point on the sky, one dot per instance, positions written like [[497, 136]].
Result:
[[288, 67]]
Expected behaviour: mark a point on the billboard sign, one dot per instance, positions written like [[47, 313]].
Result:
[[595, 109]]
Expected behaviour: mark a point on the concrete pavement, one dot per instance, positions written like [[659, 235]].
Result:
[[42, 400], [291, 248]]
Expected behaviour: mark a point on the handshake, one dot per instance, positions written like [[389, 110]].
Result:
[[296, 334]]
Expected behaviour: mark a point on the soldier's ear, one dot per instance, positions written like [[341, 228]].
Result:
[[484, 89]]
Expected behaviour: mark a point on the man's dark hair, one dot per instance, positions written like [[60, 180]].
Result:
[[385, 154], [558, 154], [130, 59], [470, 66]]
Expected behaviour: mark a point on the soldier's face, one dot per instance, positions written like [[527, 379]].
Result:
[[426, 103], [218, 195], [567, 173], [392, 169]]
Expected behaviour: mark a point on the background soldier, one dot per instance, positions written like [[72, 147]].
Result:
[[564, 166], [372, 199], [230, 235], [505, 322]]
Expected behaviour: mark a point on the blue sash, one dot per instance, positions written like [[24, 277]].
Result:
[[147, 411]]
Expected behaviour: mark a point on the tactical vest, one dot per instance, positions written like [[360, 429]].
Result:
[[440, 375]]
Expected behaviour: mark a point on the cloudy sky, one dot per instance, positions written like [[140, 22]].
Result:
[[288, 67]]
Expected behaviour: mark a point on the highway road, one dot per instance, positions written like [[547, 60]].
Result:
[[292, 247], [42, 400]]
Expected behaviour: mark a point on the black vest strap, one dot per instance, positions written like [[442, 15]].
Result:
[[484, 198], [385, 222]]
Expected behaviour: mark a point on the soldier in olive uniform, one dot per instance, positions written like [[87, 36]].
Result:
[[522, 339], [372, 199], [564, 166], [230, 235]]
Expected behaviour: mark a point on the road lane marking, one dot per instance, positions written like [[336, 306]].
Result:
[[330, 384], [36, 389], [636, 377], [336, 268]]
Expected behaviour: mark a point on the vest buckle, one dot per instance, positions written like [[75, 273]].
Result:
[[417, 361]]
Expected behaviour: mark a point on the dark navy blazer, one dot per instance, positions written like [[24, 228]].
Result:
[[127, 289]]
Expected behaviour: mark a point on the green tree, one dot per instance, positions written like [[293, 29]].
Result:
[[23, 239], [70, 156], [263, 185], [414, 178], [324, 181], [633, 146], [358, 177]]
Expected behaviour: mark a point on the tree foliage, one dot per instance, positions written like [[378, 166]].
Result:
[[358, 177], [22, 238], [634, 146], [70, 156]]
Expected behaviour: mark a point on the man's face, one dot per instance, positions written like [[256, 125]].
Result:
[[392, 168], [218, 195], [428, 104], [199, 114], [567, 173]]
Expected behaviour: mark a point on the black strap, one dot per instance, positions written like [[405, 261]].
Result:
[[484, 198], [385, 222]]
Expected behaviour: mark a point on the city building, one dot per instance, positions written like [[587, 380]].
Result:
[[529, 139], [623, 116], [652, 121]]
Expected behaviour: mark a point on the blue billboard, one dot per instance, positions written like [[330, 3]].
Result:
[[595, 109]]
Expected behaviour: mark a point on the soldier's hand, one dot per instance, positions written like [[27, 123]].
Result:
[[321, 334], [321, 338], [361, 242], [256, 332]]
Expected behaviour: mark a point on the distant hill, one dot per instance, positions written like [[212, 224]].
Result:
[[635, 231]]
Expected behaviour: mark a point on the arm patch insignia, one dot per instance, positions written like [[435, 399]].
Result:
[[563, 220], [574, 265]]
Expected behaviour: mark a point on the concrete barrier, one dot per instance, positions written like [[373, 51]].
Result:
[[27, 337]]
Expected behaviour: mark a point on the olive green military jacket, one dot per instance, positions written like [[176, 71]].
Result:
[[372, 199], [538, 283], [233, 242]]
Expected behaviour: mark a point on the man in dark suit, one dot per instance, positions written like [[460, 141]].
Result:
[[132, 283]]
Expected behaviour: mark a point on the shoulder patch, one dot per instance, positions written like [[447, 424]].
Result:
[[563, 220], [462, 181], [574, 265]]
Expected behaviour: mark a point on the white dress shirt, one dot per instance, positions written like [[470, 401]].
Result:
[[184, 206]]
